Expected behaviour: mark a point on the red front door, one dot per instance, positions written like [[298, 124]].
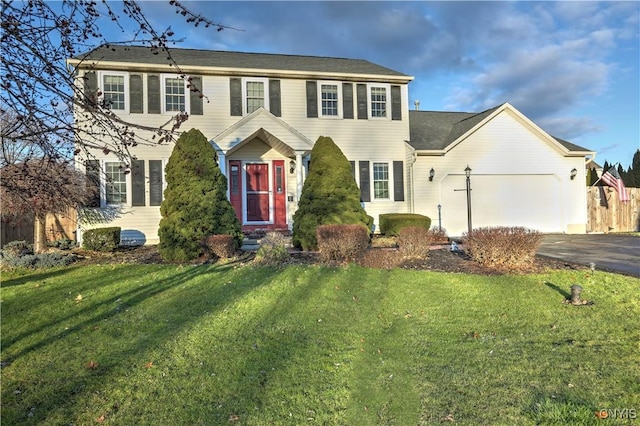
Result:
[[257, 179]]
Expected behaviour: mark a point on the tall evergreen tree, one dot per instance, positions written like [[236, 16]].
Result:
[[634, 170], [330, 195], [195, 202]]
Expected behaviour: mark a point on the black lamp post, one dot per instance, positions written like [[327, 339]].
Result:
[[467, 172]]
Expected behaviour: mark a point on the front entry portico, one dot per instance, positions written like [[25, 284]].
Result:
[[257, 191]]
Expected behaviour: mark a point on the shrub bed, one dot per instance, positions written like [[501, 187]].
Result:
[[19, 254], [414, 242], [508, 247], [221, 246], [342, 243], [101, 239], [392, 223]]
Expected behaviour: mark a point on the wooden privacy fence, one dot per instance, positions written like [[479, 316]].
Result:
[[607, 214], [57, 226]]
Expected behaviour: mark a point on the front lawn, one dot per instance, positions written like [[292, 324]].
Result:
[[204, 345]]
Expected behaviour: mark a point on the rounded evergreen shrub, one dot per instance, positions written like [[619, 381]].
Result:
[[329, 196], [195, 202]]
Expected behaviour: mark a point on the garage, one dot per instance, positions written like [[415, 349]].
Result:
[[532, 201]]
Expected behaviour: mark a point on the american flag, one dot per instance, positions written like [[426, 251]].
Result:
[[612, 178]]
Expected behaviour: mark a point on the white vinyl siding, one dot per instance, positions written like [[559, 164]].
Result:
[[115, 183]]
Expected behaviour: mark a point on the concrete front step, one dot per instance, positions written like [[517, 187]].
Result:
[[253, 244]]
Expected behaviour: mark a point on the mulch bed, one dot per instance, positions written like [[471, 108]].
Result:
[[440, 259]]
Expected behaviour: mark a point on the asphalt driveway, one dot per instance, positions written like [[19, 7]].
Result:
[[612, 252]]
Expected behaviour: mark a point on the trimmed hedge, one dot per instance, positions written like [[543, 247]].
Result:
[[221, 246], [392, 223], [342, 243], [101, 239], [501, 246]]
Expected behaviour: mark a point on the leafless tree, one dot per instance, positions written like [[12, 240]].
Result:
[[39, 92]]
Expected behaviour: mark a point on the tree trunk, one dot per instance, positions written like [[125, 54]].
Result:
[[40, 234]]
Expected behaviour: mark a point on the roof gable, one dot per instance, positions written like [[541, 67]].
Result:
[[441, 131]]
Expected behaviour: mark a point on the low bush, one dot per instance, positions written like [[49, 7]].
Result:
[[63, 244], [41, 260], [272, 250], [101, 239], [17, 249], [342, 243], [221, 246], [439, 235], [392, 223], [507, 247], [414, 242]]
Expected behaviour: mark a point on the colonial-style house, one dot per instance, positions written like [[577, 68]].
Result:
[[263, 113]]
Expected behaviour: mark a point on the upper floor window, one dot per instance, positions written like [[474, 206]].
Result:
[[329, 100], [116, 183], [174, 94], [254, 95], [381, 181], [114, 87], [378, 101]]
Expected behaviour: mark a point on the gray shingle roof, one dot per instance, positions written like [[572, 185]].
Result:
[[223, 59], [432, 130]]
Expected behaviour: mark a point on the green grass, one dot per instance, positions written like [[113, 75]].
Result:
[[204, 345]]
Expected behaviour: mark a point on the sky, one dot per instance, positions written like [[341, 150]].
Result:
[[572, 67]]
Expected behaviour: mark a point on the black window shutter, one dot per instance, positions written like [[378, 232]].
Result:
[[347, 100], [312, 99], [195, 96], [155, 182], [93, 183], [361, 92], [274, 98], [137, 183], [235, 90], [365, 185], [353, 168], [153, 95], [91, 87], [396, 103], [135, 94], [398, 181]]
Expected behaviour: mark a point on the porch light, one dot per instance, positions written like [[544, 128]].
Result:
[[574, 172], [432, 173], [292, 166]]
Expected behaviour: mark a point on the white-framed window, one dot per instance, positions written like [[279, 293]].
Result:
[[115, 183], [329, 99], [255, 94], [115, 90], [174, 94], [379, 106], [381, 183]]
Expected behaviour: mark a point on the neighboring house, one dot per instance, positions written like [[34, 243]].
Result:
[[266, 111]]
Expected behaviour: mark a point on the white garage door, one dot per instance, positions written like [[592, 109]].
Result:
[[533, 201]]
